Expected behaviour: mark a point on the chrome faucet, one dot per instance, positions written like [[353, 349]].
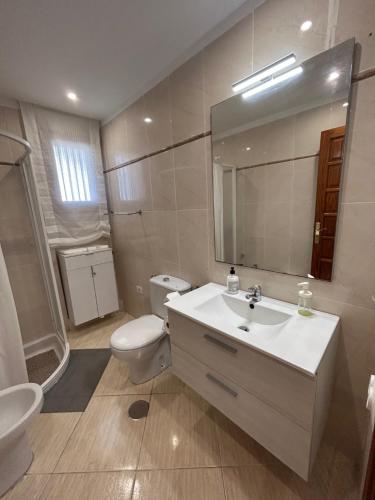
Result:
[[255, 294]]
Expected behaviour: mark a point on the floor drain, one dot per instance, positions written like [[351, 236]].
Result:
[[244, 328], [138, 409]]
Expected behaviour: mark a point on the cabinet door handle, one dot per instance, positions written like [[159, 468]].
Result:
[[222, 385], [219, 343]]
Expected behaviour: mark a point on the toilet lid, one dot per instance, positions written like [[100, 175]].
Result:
[[137, 333]]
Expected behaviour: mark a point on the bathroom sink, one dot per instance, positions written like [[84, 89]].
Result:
[[273, 327], [236, 311]]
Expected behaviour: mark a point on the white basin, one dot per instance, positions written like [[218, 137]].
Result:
[[273, 326], [261, 320]]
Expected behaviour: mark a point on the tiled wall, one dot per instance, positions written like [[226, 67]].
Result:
[[175, 234], [17, 240], [276, 203]]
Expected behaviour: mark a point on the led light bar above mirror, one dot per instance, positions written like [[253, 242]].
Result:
[[264, 73]]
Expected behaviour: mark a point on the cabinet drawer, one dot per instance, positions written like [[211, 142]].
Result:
[[276, 432], [86, 260], [286, 389]]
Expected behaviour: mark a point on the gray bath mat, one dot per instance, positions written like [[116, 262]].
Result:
[[74, 390]]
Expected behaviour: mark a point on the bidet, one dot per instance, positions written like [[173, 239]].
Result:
[[19, 404]]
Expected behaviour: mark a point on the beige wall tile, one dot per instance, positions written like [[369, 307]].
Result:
[[227, 60], [158, 108], [105, 438], [161, 230], [187, 99], [114, 141], [163, 181], [356, 19], [130, 187], [111, 485], [193, 245], [182, 484], [355, 283], [359, 172], [191, 175], [48, 435], [137, 133], [277, 30]]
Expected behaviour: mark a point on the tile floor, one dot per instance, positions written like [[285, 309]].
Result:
[[183, 450]]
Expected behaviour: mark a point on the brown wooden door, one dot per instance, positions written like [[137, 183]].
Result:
[[327, 201]]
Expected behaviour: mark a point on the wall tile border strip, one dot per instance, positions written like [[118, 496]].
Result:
[[363, 75], [159, 151]]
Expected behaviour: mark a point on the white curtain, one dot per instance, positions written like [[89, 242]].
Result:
[[218, 211], [12, 358], [67, 166]]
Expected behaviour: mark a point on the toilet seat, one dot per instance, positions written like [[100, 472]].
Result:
[[138, 333]]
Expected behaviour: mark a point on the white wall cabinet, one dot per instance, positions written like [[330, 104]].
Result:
[[89, 284]]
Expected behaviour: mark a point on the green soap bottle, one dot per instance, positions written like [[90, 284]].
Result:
[[305, 299]]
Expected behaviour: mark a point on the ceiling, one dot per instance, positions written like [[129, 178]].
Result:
[[107, 51]]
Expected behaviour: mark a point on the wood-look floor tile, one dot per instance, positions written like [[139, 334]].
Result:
[[105, 438], [30, 487], [179, 484], [97, 334], [258, 482], [48, 435], [180, 432], [167, 383], [115, 381], [237, 447], [90, 486], [344, 481]]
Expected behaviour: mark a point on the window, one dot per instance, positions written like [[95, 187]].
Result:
[[74, 165]]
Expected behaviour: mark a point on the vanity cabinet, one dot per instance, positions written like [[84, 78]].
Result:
[[89, 284], [281, 407]]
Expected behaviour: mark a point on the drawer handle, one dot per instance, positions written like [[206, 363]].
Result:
[[221, 384], [218, 342]]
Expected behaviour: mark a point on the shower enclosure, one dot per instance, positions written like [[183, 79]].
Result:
[[28, 258]]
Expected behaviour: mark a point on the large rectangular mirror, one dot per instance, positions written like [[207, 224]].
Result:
[[277, 152]]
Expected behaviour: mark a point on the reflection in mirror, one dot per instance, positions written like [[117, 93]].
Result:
[[277, 150]]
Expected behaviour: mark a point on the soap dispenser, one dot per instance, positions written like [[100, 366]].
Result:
[[305, 299], [233, 282]]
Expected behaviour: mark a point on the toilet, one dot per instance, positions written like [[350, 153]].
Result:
[[144, 343], [18, 405]]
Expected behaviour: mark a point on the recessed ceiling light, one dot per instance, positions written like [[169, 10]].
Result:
[[345, 105], [306, 25], [147, 119], [72, 96], [248, 148], [333, 76]]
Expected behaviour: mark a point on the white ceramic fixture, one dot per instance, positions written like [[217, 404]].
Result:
[[269, 369], [143, 343], [18, 404], [89, 282]]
